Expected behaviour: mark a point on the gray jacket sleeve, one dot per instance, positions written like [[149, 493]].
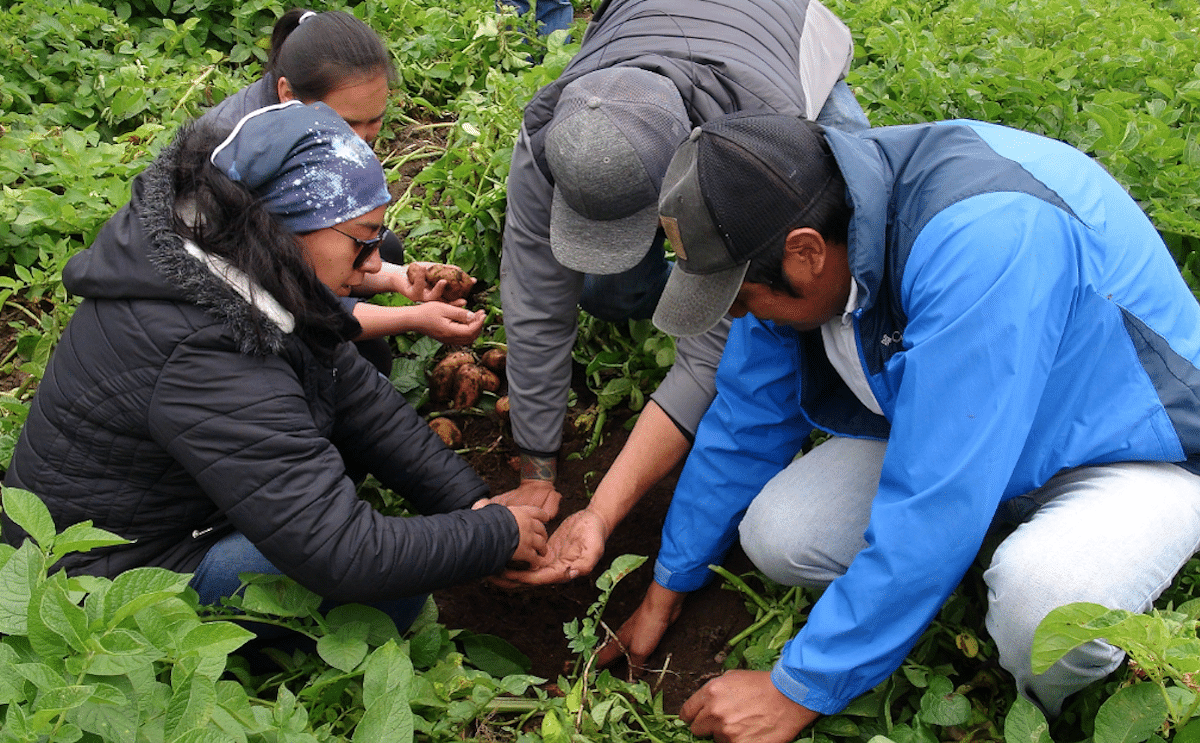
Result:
[[690, 385], [541, 308]]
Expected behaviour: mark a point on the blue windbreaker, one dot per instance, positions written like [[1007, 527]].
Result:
[[1019, 315]]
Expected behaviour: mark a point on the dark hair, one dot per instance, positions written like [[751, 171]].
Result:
[[829, 215], [321, 54], [233, 224]]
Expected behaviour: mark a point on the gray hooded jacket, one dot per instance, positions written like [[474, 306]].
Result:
[[723, 56]]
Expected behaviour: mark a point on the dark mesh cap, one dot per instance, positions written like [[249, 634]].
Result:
[[608, 147], [737, 186]]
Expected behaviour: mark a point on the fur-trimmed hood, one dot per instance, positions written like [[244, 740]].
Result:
[[139, 255]]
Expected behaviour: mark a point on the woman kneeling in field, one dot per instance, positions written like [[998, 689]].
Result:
[[205, 404]]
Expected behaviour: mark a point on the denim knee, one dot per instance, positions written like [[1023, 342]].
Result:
[[1015, 609], [629, 295]]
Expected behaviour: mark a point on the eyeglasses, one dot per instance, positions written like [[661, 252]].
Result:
[[365, 247]]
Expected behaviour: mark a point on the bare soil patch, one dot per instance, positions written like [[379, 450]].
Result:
[[532, 618]]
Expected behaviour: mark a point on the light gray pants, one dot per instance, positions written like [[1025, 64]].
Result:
[[1113, 535]]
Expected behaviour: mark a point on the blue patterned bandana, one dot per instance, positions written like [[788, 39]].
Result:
[[305, 163]]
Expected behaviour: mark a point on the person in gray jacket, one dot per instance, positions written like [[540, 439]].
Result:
[[582, 230], [204, 402]]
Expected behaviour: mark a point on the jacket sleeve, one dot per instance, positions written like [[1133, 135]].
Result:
[[541, 308], [988, 297], [242, 427], [690, 385], [752, 430]]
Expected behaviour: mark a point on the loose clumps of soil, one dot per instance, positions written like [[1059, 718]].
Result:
[[532, 618]]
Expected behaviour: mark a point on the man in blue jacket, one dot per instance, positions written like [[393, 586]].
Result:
[[991, 330]]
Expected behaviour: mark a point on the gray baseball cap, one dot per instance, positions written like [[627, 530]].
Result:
[[737, 186], [608, 147]]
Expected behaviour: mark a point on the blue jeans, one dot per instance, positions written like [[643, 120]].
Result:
[[633, 294], [629, 295], [552, 15], [1112, 534], [217, 576]]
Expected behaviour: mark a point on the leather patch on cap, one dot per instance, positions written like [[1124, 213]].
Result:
[[671, 226]]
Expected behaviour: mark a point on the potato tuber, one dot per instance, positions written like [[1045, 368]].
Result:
[[426, 277], [488, 382], [495, 360], [447, 431], [468, 383], [441, 379], [502, 408]]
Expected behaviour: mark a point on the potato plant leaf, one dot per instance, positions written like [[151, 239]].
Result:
[[1131, 715]]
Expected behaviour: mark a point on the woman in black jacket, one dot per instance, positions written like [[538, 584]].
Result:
[[203, 401]]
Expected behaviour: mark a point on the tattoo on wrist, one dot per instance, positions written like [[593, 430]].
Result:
[[538, 468]]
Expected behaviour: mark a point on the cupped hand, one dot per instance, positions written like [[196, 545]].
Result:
[[449, 324], [640, 634], [573, 550], [531, 521], [745, 707]]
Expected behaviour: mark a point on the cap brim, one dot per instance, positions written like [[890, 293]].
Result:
[[596, 246], [693, 303]]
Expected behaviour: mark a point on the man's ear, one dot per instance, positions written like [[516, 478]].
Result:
[[284, 89], [806, 245]]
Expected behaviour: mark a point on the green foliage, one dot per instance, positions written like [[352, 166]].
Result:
[[946, 688], [136, 658], [1119, 80], [89, 92], [1164, 654]]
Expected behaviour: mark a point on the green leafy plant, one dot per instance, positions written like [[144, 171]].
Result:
[[1160, 697]]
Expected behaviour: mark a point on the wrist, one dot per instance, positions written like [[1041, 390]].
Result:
[[539, 469], [606, 525], [664, 600]]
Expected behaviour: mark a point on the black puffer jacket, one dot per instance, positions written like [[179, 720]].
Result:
[[166, 418]]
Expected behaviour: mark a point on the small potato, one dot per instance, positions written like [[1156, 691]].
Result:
[[458, 283], [488, 381], [441, 379], [502, 409], [496, 360], [467, 385], [447, 431]]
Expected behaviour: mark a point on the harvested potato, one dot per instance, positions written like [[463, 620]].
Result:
[[495, 360], [502, 408], [488, 381], [441, 379], [447, 431], [468, 383], [458, 283]]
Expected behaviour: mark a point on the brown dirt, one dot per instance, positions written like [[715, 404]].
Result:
[[532, 618]]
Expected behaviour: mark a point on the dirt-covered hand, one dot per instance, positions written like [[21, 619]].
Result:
[[640, 634], [539, 493], [448, 324], [745, 707], [573, 550]]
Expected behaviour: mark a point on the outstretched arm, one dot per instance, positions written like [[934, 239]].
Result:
[[654, 447], [445, 323]]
